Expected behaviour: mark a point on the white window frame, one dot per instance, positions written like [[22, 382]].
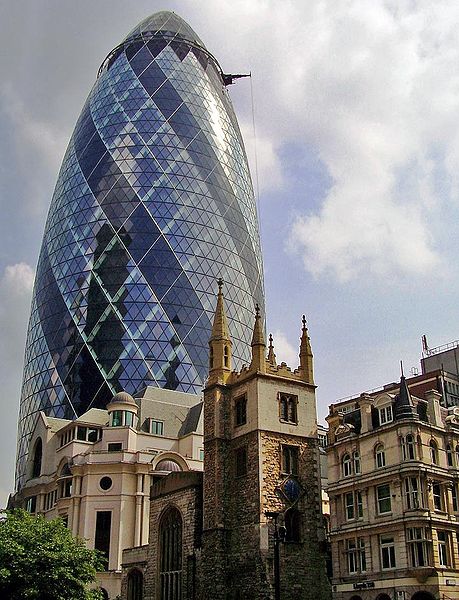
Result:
[[443, 548], [418, 544], [356, 462], [380, 456], [381, 499], [158, 424], [347, 465], [356, 558], [387, 552], [438, 499], [353, 505], [408, 447], [386, 414], [414, 497]]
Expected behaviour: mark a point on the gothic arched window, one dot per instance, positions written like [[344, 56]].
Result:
[[293, 525], [171, 555], [37, 456], [135, 585]]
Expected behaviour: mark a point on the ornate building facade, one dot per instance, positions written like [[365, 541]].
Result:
[[393, 470], [251, 525], [96, 472]]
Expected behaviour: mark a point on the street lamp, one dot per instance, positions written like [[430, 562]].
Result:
[[279, 536]]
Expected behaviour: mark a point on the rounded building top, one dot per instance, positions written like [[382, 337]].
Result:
[[122, 398], [165, 24], [167, 465]]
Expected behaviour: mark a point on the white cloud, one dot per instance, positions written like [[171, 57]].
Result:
[[372, 85], [17, 281], [15, 294], [284, 350], [42, 135], [16, 286], [38, 148], [264, 163]]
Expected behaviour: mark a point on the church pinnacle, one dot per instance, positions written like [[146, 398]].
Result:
[[271, 355], [306, 367], [258, 344], [220, 342]]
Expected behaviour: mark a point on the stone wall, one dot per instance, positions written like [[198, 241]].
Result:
[[303, 563], [184, 492]]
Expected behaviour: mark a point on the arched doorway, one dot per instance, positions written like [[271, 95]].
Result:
[[170, 539], [293, 525], [422, 596], [104, 593], [355, 598], [383, 597], [135, 585]]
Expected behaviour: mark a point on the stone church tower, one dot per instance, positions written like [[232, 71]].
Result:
[[261, 493], [250, 526]]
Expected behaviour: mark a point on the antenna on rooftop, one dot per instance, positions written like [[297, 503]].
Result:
[[425, 347]]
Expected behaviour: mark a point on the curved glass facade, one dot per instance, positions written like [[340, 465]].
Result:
[[153, 203]]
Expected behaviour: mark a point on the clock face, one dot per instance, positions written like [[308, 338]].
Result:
[[291, 489]]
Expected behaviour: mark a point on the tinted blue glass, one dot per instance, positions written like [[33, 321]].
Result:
[[153, 203]]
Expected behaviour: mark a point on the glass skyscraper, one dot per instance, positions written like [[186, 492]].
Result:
[[152, 205]]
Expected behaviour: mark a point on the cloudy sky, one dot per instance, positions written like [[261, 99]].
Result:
[[351, 123]]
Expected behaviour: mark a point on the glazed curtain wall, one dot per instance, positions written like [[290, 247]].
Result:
[[153, 204]]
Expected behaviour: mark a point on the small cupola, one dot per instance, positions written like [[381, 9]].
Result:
[[122, 410]]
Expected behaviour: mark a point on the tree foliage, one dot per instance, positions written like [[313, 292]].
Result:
[[41, 560]]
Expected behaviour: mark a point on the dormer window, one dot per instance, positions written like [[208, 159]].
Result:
[[385, 414], [155, 427], [288, 408]]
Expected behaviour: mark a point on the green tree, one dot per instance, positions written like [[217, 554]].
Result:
[[41, 560]]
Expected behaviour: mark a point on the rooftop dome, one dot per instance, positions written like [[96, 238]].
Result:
[[122, 397], [165, 24], [167, 465]]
